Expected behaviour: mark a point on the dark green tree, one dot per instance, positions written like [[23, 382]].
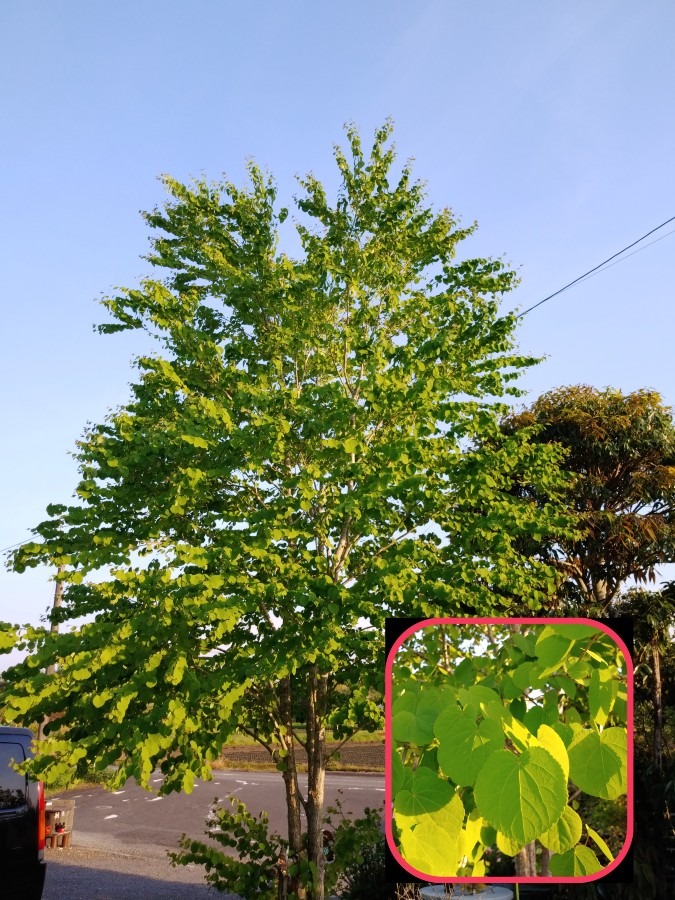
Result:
[[290, 469], [620, 456]]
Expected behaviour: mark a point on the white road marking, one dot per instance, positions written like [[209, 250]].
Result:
[[110, 817], [152, 799], [123, 791]]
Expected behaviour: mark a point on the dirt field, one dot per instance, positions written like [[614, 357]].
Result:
[[365, 757]]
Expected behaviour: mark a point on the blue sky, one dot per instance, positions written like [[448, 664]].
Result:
[[549, 123]]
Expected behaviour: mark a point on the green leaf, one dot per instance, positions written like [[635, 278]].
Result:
[[427, 793], [521, 796], [518, 708], [600, 843], [413, 716], [553, 645], [598, 762], [551, 741], [433, 845], [401, 776], [507, 846], [534, 717], [601, 695], [463, 745], [564, 834], [578, 861]]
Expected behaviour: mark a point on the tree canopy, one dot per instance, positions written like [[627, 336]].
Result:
[[620, 455], [290, 468]]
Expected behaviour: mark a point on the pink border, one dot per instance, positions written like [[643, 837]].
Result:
[[388, 750]]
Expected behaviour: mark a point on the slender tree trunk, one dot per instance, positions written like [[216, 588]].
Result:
[[316, 772], [294, 799], [526, 861], [545, 862], [657, 704]]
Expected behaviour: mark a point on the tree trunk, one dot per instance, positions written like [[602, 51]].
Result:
[[316, 772], [658, 705], [294, 799], [526, 861]]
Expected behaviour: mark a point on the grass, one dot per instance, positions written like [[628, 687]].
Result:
[[239, 739]]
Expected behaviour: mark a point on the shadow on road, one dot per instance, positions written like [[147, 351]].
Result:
[[65, 880]]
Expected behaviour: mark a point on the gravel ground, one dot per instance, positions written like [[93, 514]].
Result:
[[80, 873]]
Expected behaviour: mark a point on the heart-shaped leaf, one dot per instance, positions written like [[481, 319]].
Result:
[[521, 796], [463, 745], [598, 762], [427, 793], [564, 834], [578, 861], [432, 845]]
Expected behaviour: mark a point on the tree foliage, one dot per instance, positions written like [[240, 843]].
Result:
[[290, 468], [620, 454], [496, 731]]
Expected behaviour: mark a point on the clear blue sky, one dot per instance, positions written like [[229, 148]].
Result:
[[551, 124]]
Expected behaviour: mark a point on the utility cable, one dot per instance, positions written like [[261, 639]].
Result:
[[19, 544], [601, 265]]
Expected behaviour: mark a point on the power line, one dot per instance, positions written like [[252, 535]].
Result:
[[639, 250], [19, 544], [601, 265]]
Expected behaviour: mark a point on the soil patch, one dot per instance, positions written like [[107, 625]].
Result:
[[363, 757]]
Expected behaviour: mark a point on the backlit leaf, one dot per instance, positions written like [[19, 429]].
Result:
[[575, 862], [564, 834], [598, 762], [433, 844], [463, 745], [521, 796]]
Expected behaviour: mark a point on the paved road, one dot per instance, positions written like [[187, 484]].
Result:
[[133, 818]]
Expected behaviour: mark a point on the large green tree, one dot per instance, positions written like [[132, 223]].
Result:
[[620, 456], [291, 467]]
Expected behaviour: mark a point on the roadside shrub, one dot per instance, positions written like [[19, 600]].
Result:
[[352, 852], [253, 870], [364, 878]]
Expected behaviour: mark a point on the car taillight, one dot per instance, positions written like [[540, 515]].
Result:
[[41, 816]]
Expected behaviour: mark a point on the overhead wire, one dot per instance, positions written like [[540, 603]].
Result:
[[603, 264]]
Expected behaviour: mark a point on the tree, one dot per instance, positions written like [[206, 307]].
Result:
[[653, 614], [620, 453], [290, 469]]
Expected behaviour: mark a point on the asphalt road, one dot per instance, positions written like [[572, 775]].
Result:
[[147, 824]]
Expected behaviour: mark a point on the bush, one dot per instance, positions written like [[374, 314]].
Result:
[[253, 871], [364, 878]]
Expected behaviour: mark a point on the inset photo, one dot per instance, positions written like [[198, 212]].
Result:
[[509, 750]]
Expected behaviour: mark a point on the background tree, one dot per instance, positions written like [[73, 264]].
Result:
[[290, 469], [621, 459], [653, 614]]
